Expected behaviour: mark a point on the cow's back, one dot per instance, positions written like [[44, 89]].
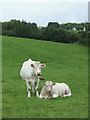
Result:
[[26, 70], [59, 87]]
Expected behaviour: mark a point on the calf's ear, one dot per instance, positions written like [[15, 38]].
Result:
[[32, 65], [43, 65], [53, 83]]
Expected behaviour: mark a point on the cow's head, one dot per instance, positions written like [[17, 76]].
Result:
[[37, 68], [48, 86]]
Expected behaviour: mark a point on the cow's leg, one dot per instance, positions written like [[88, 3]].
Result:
[[36, 88], [54, 96], [28, 87], [61, 95], [33, 88]]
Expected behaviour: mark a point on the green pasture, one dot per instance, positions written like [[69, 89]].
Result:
[[64, 63]]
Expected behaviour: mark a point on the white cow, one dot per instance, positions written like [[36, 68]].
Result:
[[53, 90], [30, 72]]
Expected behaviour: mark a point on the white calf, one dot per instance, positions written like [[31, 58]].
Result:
[[53, 90], [30, 72]]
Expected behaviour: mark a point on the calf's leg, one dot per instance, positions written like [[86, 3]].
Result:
[[54, 96]]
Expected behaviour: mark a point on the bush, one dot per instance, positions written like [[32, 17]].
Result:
[[53, 32]]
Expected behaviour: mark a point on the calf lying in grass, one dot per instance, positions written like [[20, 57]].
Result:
[[53, 90]]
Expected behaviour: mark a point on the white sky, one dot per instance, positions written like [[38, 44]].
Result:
[[44, 11], [33, 1]]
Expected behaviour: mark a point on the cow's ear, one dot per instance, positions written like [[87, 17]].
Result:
[[53, 83], [44, 84], [43, 65], [32, 65]]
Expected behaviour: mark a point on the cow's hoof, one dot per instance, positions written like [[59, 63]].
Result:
[[38, 96], [28, 96]]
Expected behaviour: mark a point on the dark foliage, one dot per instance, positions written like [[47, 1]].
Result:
[[65, 33]]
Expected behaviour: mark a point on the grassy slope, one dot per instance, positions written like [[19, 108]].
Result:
[[0, 77], [65, 63]]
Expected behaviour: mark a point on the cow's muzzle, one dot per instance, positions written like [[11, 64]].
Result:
[[38, 74]]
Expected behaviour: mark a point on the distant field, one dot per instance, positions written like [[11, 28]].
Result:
[[64, 63]]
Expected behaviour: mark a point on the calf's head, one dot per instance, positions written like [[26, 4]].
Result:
[[37, 68], [48, 85]]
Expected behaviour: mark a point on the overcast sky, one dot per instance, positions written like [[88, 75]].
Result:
[[44, 11]]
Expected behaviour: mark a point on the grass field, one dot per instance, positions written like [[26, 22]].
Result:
[[0, 77], [64, 63]]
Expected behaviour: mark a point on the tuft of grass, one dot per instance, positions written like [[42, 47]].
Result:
[[64, 63]]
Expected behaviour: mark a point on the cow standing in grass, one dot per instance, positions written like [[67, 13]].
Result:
[[30, 72]]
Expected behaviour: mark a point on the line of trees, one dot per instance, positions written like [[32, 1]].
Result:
[[52, 32]]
